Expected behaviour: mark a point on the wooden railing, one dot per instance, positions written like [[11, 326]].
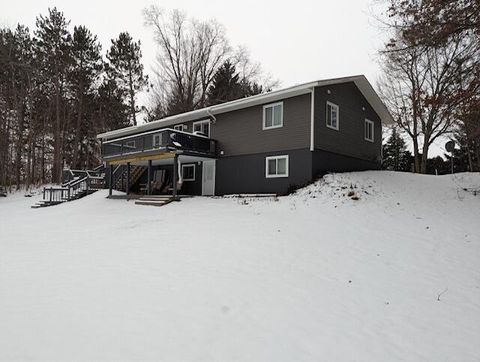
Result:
[[73, 188]]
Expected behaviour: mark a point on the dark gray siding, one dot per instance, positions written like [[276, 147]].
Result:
[[193, 187], [240, 132], [349, 139], [246, 173], [323, 162]]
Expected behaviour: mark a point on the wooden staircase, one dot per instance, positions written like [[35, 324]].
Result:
[[80, 186], [155, 200], [135, 173]]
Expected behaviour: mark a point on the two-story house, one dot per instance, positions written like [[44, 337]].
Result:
[[268, 143]]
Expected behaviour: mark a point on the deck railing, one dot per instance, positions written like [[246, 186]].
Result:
[[164, 139]]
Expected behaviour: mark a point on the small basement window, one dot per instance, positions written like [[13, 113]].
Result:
[[369, 130], [332, 116], [273, 115], [157, 140], [188, 172], [276, 166]]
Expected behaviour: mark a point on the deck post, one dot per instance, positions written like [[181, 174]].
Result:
[[149, 178], [110, 182], [127, 188], [175, 175]]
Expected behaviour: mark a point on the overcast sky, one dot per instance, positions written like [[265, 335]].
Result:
[[296, 42]]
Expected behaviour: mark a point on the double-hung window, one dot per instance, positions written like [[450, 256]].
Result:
[[332, 117], [202, 126], [273, 115], [369, 130], [188, 172], [180, 127], [276, 166]]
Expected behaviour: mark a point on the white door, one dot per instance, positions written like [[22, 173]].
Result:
[[208, 178]]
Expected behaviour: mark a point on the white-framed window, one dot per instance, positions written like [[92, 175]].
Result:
[[180, 127], [202, 126], [332, 117], [130, 144], [273, 115], [369, 130], [157, 140], [276, 166], [188, 172]]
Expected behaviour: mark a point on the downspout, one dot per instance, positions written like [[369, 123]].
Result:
[[312, 120], [209, 112]]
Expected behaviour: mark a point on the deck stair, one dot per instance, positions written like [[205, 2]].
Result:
[[76, 188], [155, 200], [120, 176]]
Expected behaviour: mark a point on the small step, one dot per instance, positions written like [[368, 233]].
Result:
[[154, 201]]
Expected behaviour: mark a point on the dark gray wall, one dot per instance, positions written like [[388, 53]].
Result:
[[193, 187], [349, 139], [240, 132], [324, 161], [246, 173]]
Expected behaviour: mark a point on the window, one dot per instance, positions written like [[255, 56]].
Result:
[[188, 172], [202, 126], [368, 130], [332, 116], [157, 140], [130, 144], [276, 166], [273, 115], [180, 127]]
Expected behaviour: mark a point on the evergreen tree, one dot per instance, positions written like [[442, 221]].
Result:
[[227, 86], [395, 154], [126, 69], [112, 111], [86, 68], [53, 51]]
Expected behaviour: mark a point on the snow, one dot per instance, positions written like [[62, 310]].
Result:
[[312, 276]]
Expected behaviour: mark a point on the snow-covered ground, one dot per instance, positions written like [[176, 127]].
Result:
[[316, 276]]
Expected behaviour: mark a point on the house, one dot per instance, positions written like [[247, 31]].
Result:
[[268, 143]]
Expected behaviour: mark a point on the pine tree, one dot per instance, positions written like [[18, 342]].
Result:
[[53, 52], [126, 69], [225, 85], [228, 86], [86, 68], [395, 154]]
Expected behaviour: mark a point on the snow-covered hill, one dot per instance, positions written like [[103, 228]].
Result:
[[369, 266]]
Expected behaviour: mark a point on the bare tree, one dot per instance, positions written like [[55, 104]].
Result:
[[189, 54], [426, 86]]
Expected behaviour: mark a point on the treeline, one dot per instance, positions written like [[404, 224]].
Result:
[[57, 92], [431, 81]]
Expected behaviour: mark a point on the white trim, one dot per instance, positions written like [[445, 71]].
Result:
[[272, 105], [202, 122], [333, 106], [312, 120], [279, 157], [188, 165], [367, 121]]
